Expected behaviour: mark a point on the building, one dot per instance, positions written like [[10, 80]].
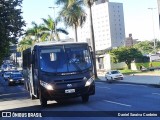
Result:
[[158, 1], [15, 56], [109, 30], [154, 57], [108, 23], [130, 41]]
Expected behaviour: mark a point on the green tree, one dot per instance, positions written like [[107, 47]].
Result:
[[145, 47], [157, 45], [25, 43], [125, 54], [11, 23], [72, 14], [49, 27], [36, 31]]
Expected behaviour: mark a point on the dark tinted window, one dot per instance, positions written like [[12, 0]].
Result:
[[68, 58], [114, 72]]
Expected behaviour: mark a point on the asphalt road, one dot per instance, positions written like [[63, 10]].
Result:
[[125, 98]]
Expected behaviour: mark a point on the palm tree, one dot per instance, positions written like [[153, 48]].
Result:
[[36, 32], [89, 3], [25, 43], [49, 27], [72, 13]]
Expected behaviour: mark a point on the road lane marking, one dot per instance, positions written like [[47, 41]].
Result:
[[118, 103], [132, 85], [156, 93], [99, 82], [103, 87], [11, 93]]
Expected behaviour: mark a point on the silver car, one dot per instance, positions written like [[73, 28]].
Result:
[[114, 75]]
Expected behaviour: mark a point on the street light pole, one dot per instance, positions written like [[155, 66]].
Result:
[[54, 8], [154, 40]]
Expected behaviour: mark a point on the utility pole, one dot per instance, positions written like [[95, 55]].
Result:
[[92, 37], [154, 40]]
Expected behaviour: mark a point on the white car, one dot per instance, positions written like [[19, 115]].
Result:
[[114, 75]]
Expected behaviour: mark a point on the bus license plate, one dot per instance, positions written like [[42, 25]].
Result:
[[70, 91]]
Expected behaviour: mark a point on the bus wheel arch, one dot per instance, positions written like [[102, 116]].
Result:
[[43, 101]]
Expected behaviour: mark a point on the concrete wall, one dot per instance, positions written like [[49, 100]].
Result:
[[121, 65], [133, 66], [108, 65]]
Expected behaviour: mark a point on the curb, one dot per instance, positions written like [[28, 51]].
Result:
[[152, 85]]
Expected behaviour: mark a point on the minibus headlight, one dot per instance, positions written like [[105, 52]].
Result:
[[11, 80], [46, 85], [89, 81]]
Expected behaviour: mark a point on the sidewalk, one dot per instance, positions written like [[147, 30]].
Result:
[[143, 79]]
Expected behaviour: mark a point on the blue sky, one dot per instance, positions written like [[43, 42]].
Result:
[[137, 16]]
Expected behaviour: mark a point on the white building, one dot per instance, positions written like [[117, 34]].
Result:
[[108, 23], [109, 30]]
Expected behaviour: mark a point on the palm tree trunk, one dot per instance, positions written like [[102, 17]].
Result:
[[51, 35], [76, 37], [92, 40]]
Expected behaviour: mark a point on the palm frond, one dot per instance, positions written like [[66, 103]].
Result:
[[61, 30]]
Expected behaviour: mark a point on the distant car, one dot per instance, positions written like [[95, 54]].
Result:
[[16, 78], [6, 75], [113, 75], [3, 71]]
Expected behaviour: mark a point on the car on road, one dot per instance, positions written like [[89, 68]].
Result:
[[3, 71], [15, 78], [114, 75], [6, 75]]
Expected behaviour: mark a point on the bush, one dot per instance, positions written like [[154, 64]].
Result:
[[148, 64]]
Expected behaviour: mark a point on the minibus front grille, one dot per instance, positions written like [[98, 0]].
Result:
[[77, 80]]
